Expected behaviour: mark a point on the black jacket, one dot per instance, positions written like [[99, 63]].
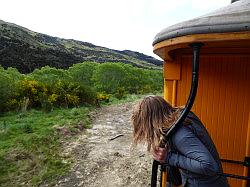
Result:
[[195, 153]]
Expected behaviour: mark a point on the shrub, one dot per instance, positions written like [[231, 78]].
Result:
[[108, 77], [32, 93], [9, 90], [48, 87], [103, 97], [120, 93], [82, 73]]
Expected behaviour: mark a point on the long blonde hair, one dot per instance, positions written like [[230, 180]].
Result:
[[150, 117]]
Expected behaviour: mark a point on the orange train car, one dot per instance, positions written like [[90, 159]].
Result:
[[223, 97]]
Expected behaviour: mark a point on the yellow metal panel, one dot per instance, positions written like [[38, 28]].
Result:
[[172, 70], [174, 94], [168, 90], [222, 103]]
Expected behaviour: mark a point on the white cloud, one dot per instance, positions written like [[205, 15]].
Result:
[[159, 7], [209, 4]]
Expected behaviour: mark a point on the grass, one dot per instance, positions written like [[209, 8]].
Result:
[[30, 144]]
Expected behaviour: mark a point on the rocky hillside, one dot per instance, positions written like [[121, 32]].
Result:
[[27, 50]]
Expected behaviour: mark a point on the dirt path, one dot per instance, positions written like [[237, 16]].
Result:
[[102, 162]]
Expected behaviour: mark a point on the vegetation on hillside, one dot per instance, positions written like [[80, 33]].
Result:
[[27, 50]]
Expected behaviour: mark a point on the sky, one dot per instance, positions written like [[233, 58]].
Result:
[[116, 24]]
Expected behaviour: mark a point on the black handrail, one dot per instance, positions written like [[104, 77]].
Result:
[[194, 85], [232, 161], [234, 176], [224, 174], [154, 173], [245, 163]]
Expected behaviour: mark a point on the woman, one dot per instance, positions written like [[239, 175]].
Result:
[[191, 148]]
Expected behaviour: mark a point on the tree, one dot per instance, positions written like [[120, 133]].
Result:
[[83, 72], [109, 77], [9, 89]]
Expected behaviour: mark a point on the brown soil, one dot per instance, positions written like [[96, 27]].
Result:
[[100, 161]]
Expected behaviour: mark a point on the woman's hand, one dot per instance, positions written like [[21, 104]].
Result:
[[160, 154]]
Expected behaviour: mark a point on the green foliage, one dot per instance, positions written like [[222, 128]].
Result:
[[9, 88], [120, 93], [83, 72], [64, 87], [103, 96], [31, 92], [109, 77], [48, 88], [118, 78], [45, 88], [50, 76]]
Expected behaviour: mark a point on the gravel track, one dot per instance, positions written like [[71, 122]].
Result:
[[102, 162]]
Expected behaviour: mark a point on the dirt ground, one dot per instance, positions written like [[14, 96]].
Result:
[[100, 161]]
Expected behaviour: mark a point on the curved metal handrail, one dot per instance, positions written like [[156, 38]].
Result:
[[194, 85]]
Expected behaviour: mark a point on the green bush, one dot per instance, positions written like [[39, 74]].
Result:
[[9, 89], [120, 93], [108, 77], [103, 96], [82, 73], [49, 76], [111, 77], [47, 88]]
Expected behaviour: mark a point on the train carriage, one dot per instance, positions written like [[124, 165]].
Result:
[[223, 97]]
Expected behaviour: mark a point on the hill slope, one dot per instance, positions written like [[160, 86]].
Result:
[[27, 50]]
